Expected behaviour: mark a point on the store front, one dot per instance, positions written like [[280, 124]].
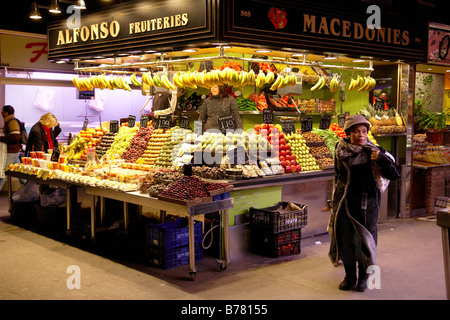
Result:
[[138, 40]]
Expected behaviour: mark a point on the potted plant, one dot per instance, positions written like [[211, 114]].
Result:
[[434, 124]]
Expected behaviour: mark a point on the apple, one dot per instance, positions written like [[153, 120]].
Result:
[[287, 169], [281, 135], [282, 163], [293, 168], [299, 168], [293, 162], [288, 157], [288, 163], [283, 141], [293, 157], [265, 126], [282, 153], [282, 158], [257, 127], [288, 147], [288, 152]]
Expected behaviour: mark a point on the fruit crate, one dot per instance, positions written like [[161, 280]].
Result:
[[279, 218], [172, 234], [276, 245], [168, 259]]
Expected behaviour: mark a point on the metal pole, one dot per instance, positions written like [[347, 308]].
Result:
[[446, 251]]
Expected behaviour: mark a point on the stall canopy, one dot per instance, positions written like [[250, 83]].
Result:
[[137, 26]]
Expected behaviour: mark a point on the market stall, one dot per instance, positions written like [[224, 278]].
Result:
[[292, 103]]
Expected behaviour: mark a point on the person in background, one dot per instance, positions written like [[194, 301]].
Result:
[[359, 166], [42, 136], [10, 137], [218, 104]]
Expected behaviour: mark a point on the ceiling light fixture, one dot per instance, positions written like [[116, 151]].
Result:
[[297, 55], [263, 51], [330, 58], [54, 7], [358, 60], [35, 11], [189, 50]]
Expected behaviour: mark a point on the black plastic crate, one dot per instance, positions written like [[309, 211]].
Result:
[[168, 259], [173, 234], [276, 219], [276, 245]]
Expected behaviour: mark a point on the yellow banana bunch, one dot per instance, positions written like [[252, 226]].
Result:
[[82, 84], [319, 84], [76, 148], [270, 76], [334, 84], [135, 81], [260, 79], [368, 85], [165, 82], [101, 82]]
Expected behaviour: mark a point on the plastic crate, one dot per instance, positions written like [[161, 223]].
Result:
[[173, 234], [276, 221], [276, 245], [168, 259]]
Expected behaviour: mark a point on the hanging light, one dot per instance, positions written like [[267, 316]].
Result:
[[54, 7], [79, 4], [35, 11]]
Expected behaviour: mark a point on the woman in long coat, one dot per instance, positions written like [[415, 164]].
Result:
[[361, 169]]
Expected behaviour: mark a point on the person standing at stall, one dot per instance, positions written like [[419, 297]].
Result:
[[43, 134], [10, 139], [218, 104], [361, 170]]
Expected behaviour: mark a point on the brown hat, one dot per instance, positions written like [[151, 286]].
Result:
[[354, 120]]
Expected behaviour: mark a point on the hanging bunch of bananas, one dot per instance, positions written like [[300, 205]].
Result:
[[334, 83], [157, 80], [319, 84], [76, 148], [228, 76], [283, 81], [101, 82], [363, 83]]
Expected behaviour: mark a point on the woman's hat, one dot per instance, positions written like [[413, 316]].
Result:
[[354, 120]]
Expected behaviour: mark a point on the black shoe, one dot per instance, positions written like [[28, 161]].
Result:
[[362, 285], [347, 284]]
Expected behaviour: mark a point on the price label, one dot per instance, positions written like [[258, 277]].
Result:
[[164, 122], [131, 121], [184, 122], [268, 116], [325, 122], [85, 124], [307, 124], [341, 120], [114, 126], [287, 125], [144, 122], [227, 123], [379, 103]]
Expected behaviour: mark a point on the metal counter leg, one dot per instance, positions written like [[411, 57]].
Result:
[[68, 209], [8, 180], [92, 217], [222, 263], [125, 216], [446, 251], [192, 269]]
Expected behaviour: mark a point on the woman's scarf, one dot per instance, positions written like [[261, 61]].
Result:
[[346, 150], [49, 136]]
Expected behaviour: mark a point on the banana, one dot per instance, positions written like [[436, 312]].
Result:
[[322, 84], [318, 84], [261, 79], [252, 77], [352, 84], [334, 84], [177, 81], [269, 77], [135, 81], [167, 82], [156, 80], [278, 82], [365, 85]]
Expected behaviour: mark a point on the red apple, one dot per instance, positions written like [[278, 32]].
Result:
[[293, 168], [288, 147], [288, 163], [287, 169], [288, 157], [293, 157], [299, 168], [288, 152], [282, 153], [281, 135], [282, 163], [293, 162], [264, 126], [282, 141], [282, 158]]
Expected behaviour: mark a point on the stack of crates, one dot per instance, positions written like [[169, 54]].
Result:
[[276, 231], [167, 244]]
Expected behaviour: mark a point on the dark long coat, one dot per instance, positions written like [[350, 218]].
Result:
[[37, 138], [355, 193]]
